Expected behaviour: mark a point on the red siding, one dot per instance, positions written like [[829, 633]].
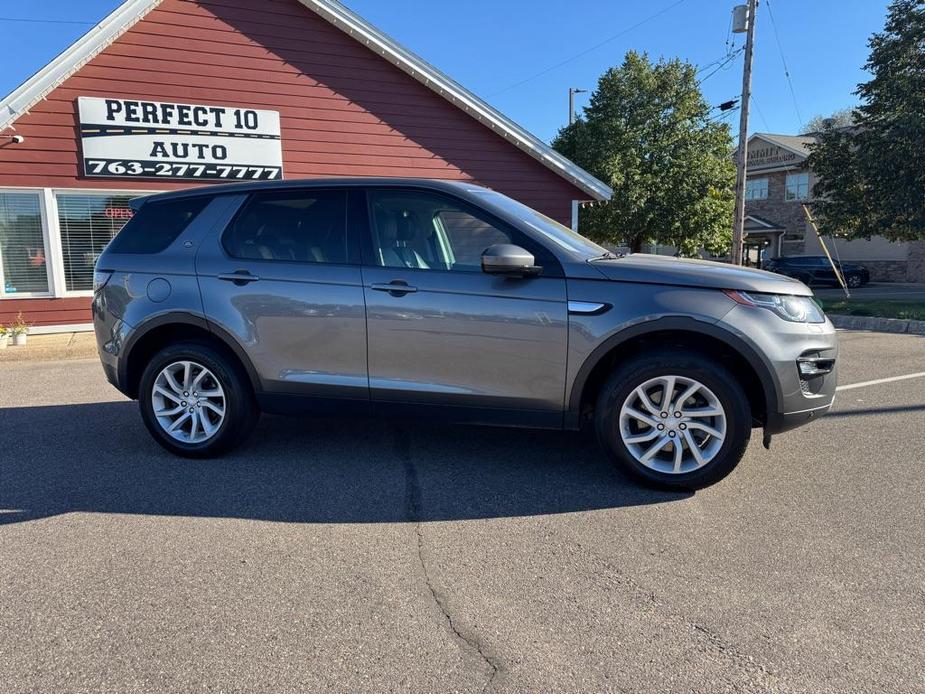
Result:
[[345, 111], [38, 312]]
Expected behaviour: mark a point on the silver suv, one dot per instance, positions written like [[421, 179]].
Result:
[[428, 299]]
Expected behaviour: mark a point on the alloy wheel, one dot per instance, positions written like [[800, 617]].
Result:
[[188, 402], [673, 424]]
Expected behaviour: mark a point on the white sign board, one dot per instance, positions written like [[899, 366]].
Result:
[[127, 138]]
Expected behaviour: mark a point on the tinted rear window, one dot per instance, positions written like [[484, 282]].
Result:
[[157, 224], [294, 226]]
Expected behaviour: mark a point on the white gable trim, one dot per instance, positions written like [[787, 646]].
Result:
[[37, 87], [132, 11], [425, 73], [766, 137]]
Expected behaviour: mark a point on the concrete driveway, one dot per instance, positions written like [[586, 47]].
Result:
[[374, 556]]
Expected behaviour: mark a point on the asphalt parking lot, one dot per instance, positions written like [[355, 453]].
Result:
[[373, 556]]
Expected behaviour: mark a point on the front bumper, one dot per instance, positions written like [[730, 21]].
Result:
[[795, 400]]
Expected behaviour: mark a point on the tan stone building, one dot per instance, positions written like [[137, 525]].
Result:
[[778, 182]]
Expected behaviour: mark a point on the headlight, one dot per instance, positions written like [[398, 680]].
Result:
[[796, 309]]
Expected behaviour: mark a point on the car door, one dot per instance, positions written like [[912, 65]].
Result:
[[284, 279], [448, 336], [822, 271]]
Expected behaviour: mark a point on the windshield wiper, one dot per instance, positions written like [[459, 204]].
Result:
[[606, 255]]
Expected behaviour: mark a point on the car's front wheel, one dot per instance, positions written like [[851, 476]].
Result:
[[674, 420], [195, 401], [854, 280]]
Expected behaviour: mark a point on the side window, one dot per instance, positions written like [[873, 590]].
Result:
[[416, 229], [299, 226], [157, 225]]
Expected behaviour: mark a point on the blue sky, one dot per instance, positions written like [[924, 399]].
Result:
[[493, 46]]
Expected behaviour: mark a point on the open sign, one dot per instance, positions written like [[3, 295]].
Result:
[[118, 213]]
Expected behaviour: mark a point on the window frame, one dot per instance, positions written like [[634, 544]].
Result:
[[46, 240], [61, 290], [796, 198], [352, 234], [766, 188], [551, 265]]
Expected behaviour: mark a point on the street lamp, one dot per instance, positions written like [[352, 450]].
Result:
[[572, 91]]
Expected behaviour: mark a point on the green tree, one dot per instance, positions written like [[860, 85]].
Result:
[[871, 180], [648, 133], [839, 119]]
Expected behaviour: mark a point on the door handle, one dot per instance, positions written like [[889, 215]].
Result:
[[395, 288], [239, 277]]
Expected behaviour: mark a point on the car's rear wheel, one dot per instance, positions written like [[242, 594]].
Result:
[[195, 401], [854, 280], [673, 420]]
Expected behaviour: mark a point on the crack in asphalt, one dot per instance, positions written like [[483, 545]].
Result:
[[746, 663], [413, 506]]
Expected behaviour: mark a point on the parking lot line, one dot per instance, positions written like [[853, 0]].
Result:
[[878, 381]]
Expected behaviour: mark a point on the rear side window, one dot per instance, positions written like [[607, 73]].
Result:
[[301, 226], [157, 225]]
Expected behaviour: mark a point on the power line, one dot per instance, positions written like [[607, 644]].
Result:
[[44, 21], [723, 58], [624, 32], [725, 61], [721, 118], [767, 128], [780, 50]]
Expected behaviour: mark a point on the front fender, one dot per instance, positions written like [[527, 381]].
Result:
[[739, 343]]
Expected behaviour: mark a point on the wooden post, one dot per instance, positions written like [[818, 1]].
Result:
[[835, 268], [738, 226]]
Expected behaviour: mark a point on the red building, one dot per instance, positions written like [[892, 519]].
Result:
[[171, 93]]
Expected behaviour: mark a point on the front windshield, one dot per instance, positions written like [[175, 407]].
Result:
[[550, 229]]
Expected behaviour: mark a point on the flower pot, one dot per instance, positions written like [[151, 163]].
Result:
[[19, 340]]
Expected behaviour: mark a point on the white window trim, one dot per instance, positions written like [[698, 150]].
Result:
[[51, 203], [43, 214]]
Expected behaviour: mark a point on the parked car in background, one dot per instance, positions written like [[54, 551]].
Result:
[[429, 299], [816, 269]]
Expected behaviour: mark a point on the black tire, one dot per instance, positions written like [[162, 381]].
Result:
[[853, 280], [241, 412], [631, 374]]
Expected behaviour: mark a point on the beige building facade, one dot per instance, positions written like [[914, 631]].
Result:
[[778, 183]]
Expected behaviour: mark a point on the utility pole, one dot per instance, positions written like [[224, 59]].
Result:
[[572, 91], [738, 229]]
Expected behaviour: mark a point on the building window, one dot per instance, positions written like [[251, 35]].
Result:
[[23, 257], [88, 223], [797, 187], [756, 189]]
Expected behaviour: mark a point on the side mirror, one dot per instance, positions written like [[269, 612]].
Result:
[[507, 259]]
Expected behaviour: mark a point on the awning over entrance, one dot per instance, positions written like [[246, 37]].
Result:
[[762, 232]]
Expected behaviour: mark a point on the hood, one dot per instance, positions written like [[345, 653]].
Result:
[[660, 269]]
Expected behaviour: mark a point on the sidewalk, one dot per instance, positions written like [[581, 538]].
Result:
[[52, 348]]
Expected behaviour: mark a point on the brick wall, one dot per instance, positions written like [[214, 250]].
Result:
[[788, 214]]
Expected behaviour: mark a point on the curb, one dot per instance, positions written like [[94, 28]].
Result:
[[51, 347], [880, 325]]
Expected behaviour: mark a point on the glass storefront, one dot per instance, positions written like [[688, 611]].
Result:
[[23, 256], [87, 221], [87, 224]]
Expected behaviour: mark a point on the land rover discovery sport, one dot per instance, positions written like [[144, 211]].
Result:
[[426, 299]]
